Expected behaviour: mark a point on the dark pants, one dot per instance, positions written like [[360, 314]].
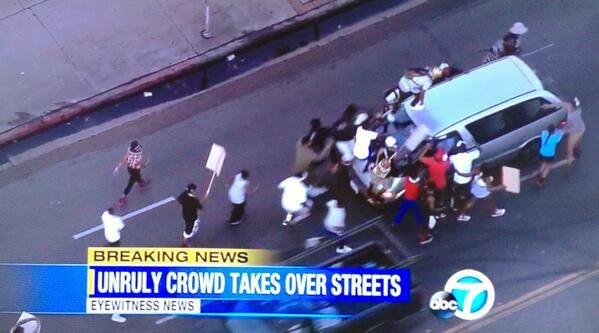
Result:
[[134, 177], [406, 207], [331, 234], [237, 212], [115, 244]]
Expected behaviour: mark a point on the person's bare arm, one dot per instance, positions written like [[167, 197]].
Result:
[[121, 162]]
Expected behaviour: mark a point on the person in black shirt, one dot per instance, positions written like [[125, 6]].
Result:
[[190, 205]]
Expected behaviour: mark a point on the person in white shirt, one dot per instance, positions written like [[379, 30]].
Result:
[[362, 146], [237, 196], [294, 199], [113, 224], [334, 223], [462, 166], [415, 81]]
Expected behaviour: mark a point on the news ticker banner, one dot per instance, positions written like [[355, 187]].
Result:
[[194, 282]]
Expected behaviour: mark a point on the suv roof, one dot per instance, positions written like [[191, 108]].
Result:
[[473, 92]]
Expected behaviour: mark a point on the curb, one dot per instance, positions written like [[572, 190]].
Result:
[[171, 72]]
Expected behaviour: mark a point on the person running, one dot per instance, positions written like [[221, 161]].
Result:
[[482, 186], [462, 165], [294, 199], [113, 224], [508, 45], [334, 224], [549, 140], [190, 205], [410, 204], [135, 162], [237, 195]]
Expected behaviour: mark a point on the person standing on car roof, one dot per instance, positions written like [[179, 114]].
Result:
[[508, 45], [135, 162], [415, 81], [462, 166], [190, 206], [549, 140]]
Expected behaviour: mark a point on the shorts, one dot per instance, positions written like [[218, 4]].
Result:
[[462, 193], [546, 159], [190, 233]]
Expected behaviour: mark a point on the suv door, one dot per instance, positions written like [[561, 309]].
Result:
[[507, 130]]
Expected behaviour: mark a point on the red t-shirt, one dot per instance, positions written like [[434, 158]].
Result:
[[412, 190], [436, 171]]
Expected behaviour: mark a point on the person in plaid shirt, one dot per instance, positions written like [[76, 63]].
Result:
[[135, 162]]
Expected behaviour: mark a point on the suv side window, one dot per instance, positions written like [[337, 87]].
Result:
[[508, 120], [489, 127]]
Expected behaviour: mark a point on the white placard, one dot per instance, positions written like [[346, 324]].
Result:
[[511, 179], [216, 159]]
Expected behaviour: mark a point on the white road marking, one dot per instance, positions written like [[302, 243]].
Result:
[[164, 320], [125, 217], [538, 50]]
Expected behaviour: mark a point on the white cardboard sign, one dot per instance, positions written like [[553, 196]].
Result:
[[216, 159], [511, 179]]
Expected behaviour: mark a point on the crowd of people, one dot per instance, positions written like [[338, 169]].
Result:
[[438, 180]]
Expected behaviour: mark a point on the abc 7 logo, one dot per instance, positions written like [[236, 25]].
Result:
[[468, 294]]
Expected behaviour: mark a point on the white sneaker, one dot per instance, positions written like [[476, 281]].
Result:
[[343, 249], [464, 218], [118, 318], [498, 212]]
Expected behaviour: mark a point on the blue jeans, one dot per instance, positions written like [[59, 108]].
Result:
[[406, 207]]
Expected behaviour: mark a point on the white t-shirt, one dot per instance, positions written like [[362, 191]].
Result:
[[112, 227], [462, 163], [237, 190], [295, 193], [363, 138], [335, 220], [416, 84]]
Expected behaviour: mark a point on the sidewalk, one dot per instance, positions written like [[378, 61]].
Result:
[[71, 55]]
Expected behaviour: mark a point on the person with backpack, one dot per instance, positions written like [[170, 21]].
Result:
[[549, 140]]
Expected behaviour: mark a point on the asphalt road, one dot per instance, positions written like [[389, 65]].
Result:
[[544, 236]]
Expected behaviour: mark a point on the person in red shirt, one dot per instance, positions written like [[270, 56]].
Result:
[[410, 204], [437, 173]]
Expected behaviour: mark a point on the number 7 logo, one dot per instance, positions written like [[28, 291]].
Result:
[[470, 284]]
